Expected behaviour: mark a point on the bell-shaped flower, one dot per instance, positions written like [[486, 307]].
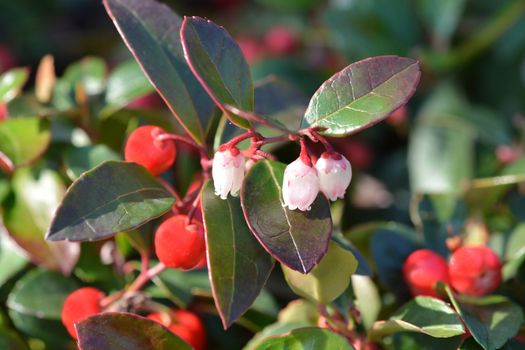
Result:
[[300, 185], [227, 172], [335, 174]]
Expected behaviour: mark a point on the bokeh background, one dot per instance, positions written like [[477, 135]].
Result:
[[465, 122]]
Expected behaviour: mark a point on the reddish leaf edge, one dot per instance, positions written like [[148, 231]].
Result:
[[132, 50]]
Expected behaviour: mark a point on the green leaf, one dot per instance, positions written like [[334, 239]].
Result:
[[125, 84], [484, 193], [328, 279], [11, 260], [182, 286], [37, 193], [362, 94], [123, 331], [492, 320], [81, 159], [35, 305], [441, 18], [298, 239], [425, 315], [11, 83], [112, 198], [151, 32], [471, 344], [238, 265], [276, 329], [305, 339], [367, 299], [22, 140], [299, 311], [218, 63]]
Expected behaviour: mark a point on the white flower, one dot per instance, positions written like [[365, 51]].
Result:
[[227, 172], [300, 185], [335, 174]]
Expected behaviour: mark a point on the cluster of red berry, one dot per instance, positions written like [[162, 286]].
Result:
[[472, 270], [179, 243]]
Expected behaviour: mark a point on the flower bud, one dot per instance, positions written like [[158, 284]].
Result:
[[335, 173], [300, 185], [227, 172]]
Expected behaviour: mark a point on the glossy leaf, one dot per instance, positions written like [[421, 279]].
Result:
[[238, 265], [125, 84], [298, 239], [37, 193], [425, 315], [218, 63], [151, 32], [362, 94], [22, 140], [81, 159], [305, 339], [328, 279], [124, 331], [492, 320], [113, 197], [11, 83]]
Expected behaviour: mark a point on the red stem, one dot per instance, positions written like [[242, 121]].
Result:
[[316, 137], [250, 116], [305, 157]]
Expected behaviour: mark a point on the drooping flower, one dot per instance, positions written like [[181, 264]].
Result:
[[335, 174], [227, 172], [300, 185]]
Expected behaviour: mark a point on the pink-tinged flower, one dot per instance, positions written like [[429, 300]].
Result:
[[300, 185], [335, 173], [227, 172]]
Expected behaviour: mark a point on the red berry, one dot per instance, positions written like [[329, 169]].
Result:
[[178, 245], [475, 270], [422, 269], [507, 154], [185, 324], [143, 148], [398, 117], [79, 305], [3, 111], [281, 40], [251, 48]]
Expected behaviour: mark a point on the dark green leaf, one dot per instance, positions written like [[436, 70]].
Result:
[[125, 84], [10, 340], [328, 279], [441, 18], [306, 338], [492, 320], [151, 32], [11, 83], [362, 266], [423, 315], [81, 159], [123, 331], [238, 265], [111, 198], [37, 193], [362, 94], [217, 61], [182, 286], [471, 344], [298, 239], [22, 140]]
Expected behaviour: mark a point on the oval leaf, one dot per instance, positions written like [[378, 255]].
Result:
[[22, 140], [425, 315], [11, 83], [151, 32], [238, 265], [123, 331], [305, 339], [36, 195], [298, 239], [327, 280], [218, 63], [362, 94], [113, 197], [81, 159], [492, 320]]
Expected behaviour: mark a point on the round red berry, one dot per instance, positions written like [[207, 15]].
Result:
[[185, 324], [281, 40], [79, 305], [179, 245], [144, 147], [475, 270], [422, 269]]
